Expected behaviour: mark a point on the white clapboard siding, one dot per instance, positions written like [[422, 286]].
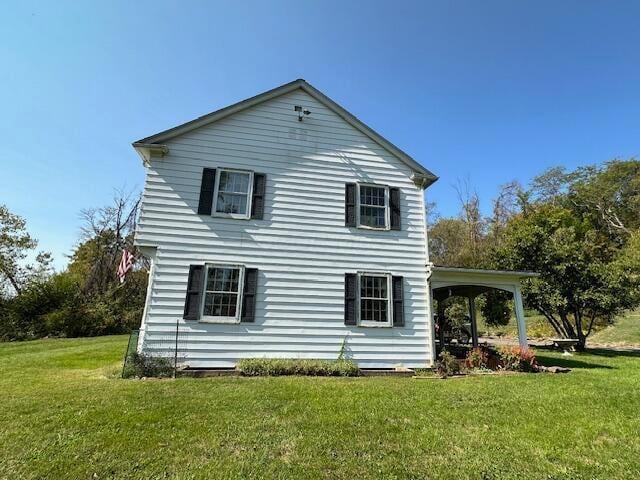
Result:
[[301, 248]]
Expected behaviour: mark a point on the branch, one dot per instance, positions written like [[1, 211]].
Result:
[[13, 281], [593, 317], [554, 323]]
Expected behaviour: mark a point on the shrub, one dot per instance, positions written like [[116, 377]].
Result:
[[477, 357], [495, 308], [254, 367], [457, 312], [517, 359], [447, 365], [141, 365]]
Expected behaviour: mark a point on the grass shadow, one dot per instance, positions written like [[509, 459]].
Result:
[[609, 353]]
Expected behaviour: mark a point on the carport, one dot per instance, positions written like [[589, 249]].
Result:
[[468, 283]]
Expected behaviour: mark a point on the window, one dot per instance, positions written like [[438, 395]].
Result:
[[374, 299], [373, 209], [222, 293], [233, 193]]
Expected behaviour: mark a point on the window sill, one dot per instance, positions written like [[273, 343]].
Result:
[[381, 229], [219, 320], [374, 325], [233, 216]]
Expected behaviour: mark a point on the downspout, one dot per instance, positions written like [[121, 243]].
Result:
[[429, 272]]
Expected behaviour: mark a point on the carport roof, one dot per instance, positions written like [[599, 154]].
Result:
[[458, 271]]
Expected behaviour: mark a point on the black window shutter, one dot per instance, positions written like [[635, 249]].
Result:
[[394, 204], [257, 198], [249, 295], [194, 292], [350, 298], [206, 191], [398, 301], [350, 205]]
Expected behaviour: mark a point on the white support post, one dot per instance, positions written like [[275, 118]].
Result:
[[522, 326]]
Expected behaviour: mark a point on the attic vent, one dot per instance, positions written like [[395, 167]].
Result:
[[302, 112]]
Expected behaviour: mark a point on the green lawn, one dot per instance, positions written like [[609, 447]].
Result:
[[65, 414], [625, 331]]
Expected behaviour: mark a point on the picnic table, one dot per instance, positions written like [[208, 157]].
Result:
[[565, 344]]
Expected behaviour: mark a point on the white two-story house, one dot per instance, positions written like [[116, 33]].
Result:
[[283, 226]]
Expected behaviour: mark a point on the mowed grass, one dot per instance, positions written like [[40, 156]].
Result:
[[65, 414], [625, 331]]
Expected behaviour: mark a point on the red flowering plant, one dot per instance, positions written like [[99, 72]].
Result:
[[518, 359]]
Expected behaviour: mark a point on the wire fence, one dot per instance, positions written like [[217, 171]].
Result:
[[170, 346], [131, 349]]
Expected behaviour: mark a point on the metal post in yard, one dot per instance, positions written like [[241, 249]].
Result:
[[175, 356]]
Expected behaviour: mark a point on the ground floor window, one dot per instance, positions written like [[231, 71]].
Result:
[[374, 299], [223, 292]]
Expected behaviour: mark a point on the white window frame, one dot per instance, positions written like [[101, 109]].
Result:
[[369, 323], [244, 216], [387, 213], [213, 319]]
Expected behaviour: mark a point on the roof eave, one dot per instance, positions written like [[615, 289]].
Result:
[[148, 150]]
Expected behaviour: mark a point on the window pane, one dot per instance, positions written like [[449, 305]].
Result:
[[233, 182], [220, 304], [373, 310], [231, 203], [223, 279], [373, 287], [372, 196], [373, 217]]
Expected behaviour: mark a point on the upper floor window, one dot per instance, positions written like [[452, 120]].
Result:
[[233, 193], [373, 206]]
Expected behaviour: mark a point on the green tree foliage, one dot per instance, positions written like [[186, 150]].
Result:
[[466, 241], [15, 245], [87, 298], [495, 307], [579, 230]]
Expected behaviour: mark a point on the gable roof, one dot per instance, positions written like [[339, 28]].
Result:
[[155, 141]]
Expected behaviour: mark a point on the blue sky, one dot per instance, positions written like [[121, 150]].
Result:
[[491, 90]]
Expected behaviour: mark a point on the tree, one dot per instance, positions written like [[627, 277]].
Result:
[[459, 241], [448, 243], [465, 242], [106, 231], [86, 299], [15, 245], [495, 307], [609, 196], [507, 204], [584, 277]]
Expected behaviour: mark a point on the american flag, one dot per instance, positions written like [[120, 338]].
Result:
[[126, 264]]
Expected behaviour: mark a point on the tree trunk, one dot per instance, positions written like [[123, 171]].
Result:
[[567, 325], [554, 323], [582, 338], [13, 281]]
